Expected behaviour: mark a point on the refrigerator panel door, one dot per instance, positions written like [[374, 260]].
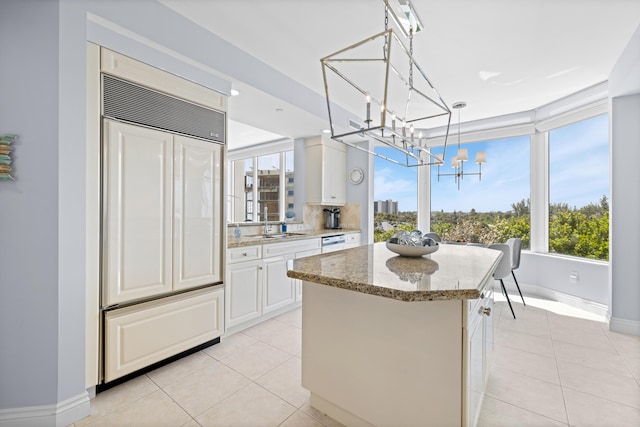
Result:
[[197, 248], [140, 335], [137, 213]]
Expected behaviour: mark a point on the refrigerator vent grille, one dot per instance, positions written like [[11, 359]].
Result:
[[126, 101]]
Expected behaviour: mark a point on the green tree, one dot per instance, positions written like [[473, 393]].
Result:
[[582, 232], [521, 208]]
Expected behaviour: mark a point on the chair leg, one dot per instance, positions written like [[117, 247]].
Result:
[[518, 286], [507, 295]]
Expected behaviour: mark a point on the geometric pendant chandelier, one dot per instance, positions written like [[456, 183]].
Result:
[[379, 81]]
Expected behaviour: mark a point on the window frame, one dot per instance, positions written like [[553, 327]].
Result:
[[241, 155], [537, 124]]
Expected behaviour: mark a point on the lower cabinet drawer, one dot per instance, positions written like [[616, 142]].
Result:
[[242, 254], [138, 336]]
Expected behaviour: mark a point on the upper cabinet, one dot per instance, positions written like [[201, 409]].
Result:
[[326, 162]]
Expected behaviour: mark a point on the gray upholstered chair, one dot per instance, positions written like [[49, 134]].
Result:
[[515, 244], [433, 236], [503, 269]]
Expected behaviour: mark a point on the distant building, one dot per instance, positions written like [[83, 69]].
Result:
[[385, 206]]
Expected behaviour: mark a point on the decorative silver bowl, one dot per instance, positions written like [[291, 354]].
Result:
[[412, 251], [411, 244]]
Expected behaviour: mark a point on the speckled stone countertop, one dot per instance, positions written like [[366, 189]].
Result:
[[232, 242], [452, 272]]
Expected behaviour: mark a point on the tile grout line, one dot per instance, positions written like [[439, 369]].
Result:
[[528, 410], [565, 388], [555, 357], [179, 406], [623, 358]]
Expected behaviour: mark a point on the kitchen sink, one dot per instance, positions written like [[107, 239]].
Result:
[[275, 236]]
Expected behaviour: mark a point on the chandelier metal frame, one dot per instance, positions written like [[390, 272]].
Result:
[[401, 115]]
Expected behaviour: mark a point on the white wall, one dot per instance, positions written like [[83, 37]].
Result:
[[625, 206], [362, 193], [624, 250], [29, 309], [553, 272], [300, 178]]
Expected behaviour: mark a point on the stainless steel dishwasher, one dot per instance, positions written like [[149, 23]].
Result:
[[333, 243]]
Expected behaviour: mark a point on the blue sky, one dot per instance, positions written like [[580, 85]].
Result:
[[578, 172]]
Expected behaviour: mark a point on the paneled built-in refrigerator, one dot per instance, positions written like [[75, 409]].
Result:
[[162, 222]]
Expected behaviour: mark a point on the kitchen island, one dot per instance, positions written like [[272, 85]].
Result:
[[394, 341]]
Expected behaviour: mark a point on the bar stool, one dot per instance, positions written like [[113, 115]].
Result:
[[515, 244], [503, 269]]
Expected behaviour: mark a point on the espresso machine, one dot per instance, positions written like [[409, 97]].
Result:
[[332, 218]]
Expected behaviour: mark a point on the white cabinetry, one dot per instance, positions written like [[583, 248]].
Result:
[[279, 290], [479, 346], [161, 213], [352, 240], [326, 162], [243, 285], [343, 363], [257, 285]]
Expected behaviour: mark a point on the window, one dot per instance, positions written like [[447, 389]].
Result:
[[489, 208], [269, 187], [579, 189], [248, 188], [289, 175], [395, 195], [259, 184]]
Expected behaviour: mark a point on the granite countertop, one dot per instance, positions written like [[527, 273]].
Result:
[[452, 272], [249, 240]]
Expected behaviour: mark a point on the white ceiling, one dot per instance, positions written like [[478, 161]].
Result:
[[500, 56]]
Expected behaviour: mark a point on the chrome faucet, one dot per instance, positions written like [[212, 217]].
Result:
[[267, 227]]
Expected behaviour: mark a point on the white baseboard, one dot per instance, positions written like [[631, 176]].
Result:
[[574, 301], [624, 326], [58, 415], [536, 291], [249, 323]]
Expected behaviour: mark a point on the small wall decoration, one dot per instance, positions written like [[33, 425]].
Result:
[[5, 156]]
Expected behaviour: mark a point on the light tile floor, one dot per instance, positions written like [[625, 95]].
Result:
[[553, 366]]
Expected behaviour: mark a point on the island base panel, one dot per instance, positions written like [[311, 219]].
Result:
[[337, 413], [380, 360]]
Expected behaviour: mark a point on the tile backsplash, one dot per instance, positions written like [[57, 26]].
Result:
[[313, 219], [313, 216]]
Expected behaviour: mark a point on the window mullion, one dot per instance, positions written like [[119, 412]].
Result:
[[540, 192]]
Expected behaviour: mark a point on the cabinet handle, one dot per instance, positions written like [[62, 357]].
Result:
[[485, 310], [259, 268], [244, 254]]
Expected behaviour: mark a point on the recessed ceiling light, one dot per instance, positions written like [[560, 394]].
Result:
[[326, 131], [235, 92]]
